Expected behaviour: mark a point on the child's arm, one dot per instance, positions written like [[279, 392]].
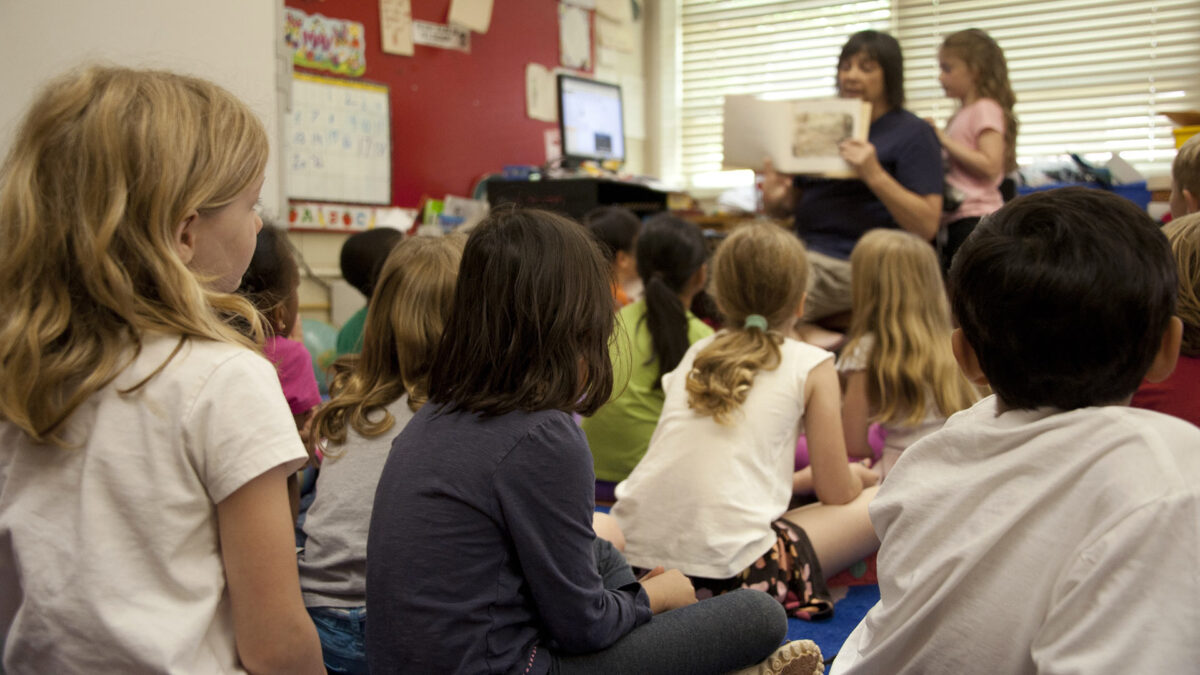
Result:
[[856, 415], [273, 631], [833, 481], [986, 163]]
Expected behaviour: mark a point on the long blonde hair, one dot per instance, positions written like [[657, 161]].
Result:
[[105, 166], [760, 269], [900, 300], [1184, 235], [405, 319], [986, 61]]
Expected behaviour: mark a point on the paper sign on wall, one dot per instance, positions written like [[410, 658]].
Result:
[[441, 36], [331, 216], [574, 37], [540, 102], [614, 34], [395, 26], [473, 14], [617, 10], [318, 42]]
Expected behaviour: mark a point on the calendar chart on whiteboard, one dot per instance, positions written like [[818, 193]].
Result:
[[339, 146]]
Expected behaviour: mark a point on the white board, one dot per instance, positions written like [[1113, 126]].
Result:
[[339, 143]]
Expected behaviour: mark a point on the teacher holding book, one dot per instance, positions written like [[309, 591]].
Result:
[[898, 169]]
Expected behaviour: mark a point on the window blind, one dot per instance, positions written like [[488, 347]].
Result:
[[1091, 76], [778, 49]]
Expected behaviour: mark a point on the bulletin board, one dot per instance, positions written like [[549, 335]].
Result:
[[456, 115], [339, 146]]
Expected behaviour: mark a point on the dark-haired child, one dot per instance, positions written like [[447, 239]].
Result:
[[651, 337], [361, 260], [482, 555], [272, 283], [616, 228], [1050, 528]]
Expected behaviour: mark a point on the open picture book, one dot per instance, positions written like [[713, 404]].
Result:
[[800, 137]]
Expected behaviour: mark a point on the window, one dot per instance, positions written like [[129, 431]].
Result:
[[1091, 76], [776, 49]]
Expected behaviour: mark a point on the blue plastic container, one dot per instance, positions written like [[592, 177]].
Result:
[[1134, 192]]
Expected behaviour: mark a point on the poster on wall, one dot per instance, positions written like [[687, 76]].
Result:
[[318, 42], [574, 37], [395, 27], [338, 142], [441, 36]]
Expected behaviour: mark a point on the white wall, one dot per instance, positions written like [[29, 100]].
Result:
[[232, 42]]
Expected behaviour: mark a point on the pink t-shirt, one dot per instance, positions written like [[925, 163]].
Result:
[[980, 196], [1178, 395], [295, 367]]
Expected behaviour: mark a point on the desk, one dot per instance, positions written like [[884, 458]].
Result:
[[576, 196]]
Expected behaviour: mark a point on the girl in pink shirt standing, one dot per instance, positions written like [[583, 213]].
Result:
[[980, 139]]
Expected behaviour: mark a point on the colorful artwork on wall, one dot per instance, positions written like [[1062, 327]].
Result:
[[319, 42]]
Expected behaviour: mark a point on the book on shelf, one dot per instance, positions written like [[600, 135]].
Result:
[[799, 137]]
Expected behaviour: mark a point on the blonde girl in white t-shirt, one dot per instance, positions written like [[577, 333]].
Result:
[[711, 495], [144, 444], [897, 367]]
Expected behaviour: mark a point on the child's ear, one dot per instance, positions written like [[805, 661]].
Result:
[[800, 307], [968, 361], [185, 237], [1191, 201], [625, 264], [1168, 352], [699, 278]]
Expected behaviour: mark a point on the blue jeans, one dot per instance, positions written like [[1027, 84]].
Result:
[[343, 634]]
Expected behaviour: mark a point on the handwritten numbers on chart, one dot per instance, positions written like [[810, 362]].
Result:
[[339, 142]]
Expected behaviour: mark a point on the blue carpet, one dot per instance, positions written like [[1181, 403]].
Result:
[[829, 634]]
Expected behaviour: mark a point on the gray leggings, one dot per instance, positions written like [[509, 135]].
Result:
[[717, 635]]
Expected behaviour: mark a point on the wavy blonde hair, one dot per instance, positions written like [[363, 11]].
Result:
[[760, 269], [899, 299], [105, 166], [405, 319], [986, 61], [1184, 235]]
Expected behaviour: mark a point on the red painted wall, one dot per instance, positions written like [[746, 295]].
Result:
[[456, 115]]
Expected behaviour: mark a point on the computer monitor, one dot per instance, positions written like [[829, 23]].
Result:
[[589, 118]]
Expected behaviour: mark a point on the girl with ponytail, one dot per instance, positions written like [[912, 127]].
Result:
[[650, 338], [711, 495]]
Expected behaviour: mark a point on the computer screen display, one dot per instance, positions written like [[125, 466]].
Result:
[[589, 116]]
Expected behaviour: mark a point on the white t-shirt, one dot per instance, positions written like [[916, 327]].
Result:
[[109, 552], [897, 436], [1038, 542], [333, 565], [703, 498]]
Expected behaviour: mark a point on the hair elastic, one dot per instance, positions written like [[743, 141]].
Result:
[[756, 321]]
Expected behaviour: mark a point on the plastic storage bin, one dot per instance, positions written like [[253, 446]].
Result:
[[1134, 192]]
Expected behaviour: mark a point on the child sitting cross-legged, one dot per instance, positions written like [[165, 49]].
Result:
[[1044, 529], [482, 553], [711, 495], [375, 394]]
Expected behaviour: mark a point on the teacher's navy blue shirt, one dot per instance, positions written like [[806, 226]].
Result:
[[480, 548], [832, 214]]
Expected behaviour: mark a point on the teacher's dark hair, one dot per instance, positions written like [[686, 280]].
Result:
[[530, 322], [884, 50]]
